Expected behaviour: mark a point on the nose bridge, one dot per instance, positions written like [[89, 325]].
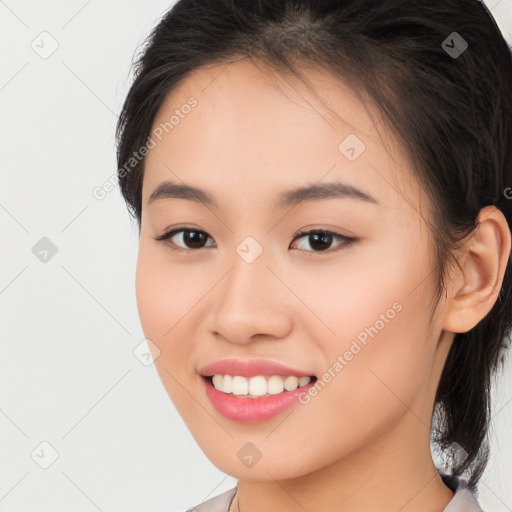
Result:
[[249, 301], [247, 282]]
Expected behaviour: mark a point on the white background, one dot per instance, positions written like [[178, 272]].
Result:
[[68, 327]]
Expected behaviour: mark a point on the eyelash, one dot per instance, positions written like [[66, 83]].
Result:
[[347, 241]]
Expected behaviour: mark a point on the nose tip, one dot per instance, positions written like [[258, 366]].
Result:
[[249, 304]]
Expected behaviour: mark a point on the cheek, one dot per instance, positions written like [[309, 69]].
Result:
[[366, 287], [168, 301], [374, 314], [164, 298], [165, 293], [370, 385], [384, 365], [150, 295]]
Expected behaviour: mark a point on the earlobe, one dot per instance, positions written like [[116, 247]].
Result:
[[474, 289]]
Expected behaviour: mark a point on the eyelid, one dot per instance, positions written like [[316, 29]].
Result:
[[167, 235], [172, 231], [347, 240]]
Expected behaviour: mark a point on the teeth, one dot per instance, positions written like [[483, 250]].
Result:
[[257, 386], [240, 385]]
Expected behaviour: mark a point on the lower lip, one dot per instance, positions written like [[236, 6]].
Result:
[[252, 410]]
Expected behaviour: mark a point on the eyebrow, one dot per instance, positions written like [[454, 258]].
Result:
[[330, 190]]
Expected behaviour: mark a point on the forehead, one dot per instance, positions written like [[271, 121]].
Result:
[[256, 130]]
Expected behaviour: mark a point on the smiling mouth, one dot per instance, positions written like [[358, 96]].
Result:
[[257, 386]]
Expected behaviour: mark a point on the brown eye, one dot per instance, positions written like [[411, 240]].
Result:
[[321, 241], [189, 238]]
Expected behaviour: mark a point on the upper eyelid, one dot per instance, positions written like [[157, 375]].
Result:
[[174, 231]]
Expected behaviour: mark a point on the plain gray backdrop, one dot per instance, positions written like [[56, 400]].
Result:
[[85, 423]]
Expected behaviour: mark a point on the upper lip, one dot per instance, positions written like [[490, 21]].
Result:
[[249, 368]]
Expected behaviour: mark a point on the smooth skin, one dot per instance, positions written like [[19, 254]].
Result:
[[362, 443]]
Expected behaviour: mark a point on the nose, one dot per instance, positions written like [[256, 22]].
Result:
[[252, 302]]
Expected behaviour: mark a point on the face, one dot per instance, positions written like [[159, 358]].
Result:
[[333, 284]]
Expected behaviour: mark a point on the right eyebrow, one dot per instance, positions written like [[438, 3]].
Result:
[[170, 189]]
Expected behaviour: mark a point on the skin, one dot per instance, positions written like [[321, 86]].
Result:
[[363, 441]]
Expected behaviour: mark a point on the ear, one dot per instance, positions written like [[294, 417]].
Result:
[[473, 290]]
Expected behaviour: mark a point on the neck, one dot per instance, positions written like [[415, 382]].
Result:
[[388, 476]]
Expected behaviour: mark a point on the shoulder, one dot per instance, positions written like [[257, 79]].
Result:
[[464, 498], [219, 503]]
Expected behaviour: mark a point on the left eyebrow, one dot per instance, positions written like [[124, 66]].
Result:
[[331, 190]]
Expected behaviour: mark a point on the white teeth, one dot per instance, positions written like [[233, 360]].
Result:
[[240, 385], [275, 385], [257, 386], [303, 381], [218, 381], [291, 383]]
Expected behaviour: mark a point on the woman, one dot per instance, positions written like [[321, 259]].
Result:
[[324, 263]]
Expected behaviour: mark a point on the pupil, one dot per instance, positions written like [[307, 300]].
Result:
[[323, 237], [194, 241]]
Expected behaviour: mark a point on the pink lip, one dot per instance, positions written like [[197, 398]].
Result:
[[250, 368], [252, 410]]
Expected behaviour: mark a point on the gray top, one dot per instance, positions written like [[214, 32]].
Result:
[[463, 500]]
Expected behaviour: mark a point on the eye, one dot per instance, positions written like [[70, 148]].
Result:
[[321, 240], [191, 238]]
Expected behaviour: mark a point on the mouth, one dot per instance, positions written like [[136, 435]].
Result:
[[255, 399], [258, 386]]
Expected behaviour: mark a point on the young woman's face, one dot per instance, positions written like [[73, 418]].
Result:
[[243, 284]]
